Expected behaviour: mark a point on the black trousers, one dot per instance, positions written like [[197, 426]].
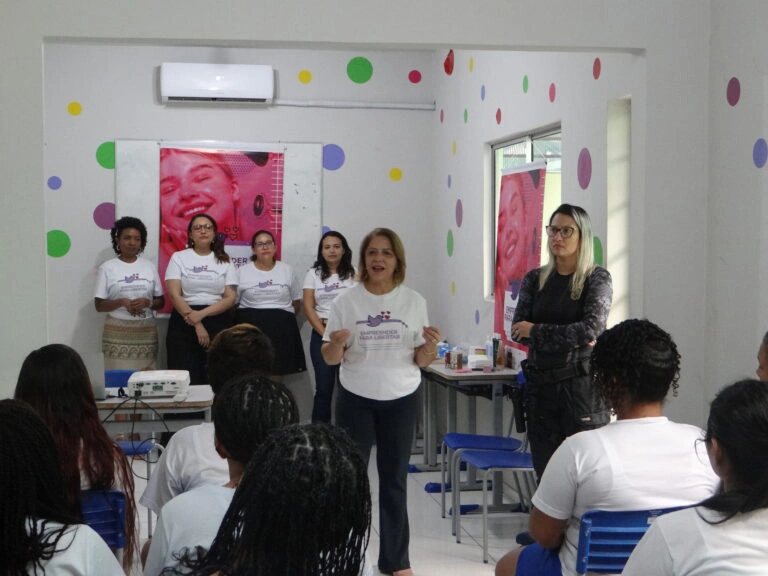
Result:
[[557, 409], [389, 424]]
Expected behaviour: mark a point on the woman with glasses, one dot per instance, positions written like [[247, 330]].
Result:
[[269, 297], [201, 282], [563, 308]]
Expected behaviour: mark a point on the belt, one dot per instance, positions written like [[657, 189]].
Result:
[[558, 374]]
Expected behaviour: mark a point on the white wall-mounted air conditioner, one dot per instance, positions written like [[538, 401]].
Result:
[[181, 82]]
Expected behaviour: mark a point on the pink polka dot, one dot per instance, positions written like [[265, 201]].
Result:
[[552, 92], [459, 213], [733, 92], [584, 168], [596, 67], [498, 115], [104, 215], [414, 76]]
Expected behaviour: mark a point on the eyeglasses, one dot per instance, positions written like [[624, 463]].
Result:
[[266, 244], [565, 231], [199, 227]]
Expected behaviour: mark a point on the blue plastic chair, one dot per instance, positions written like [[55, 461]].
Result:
[[104, 511], [607, 538], [142, 448], [519, 463]]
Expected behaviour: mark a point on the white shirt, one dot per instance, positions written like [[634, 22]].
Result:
[[189, 460], [273, 289], [634, 464], [326, 290], [385, 329], [82, 553], [116, 279], [190, 519], [203, 279], [684, 544]]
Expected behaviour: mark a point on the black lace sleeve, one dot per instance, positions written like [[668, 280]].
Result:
[[524, 310]]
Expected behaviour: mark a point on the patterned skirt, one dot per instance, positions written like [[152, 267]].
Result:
[[129, 344]]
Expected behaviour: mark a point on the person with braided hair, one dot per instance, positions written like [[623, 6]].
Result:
[[641, 461], [53, 380], [244, 412], [303, 507], [40, 531]]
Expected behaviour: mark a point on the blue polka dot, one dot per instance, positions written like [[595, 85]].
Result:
[[482, 92], [449, 180], [760, 152], [54, 182], [326, 229], [477, 316], [333, 157]]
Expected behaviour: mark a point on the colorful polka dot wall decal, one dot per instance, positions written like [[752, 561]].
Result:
[[760, 152], [733, 91], [305, 76], [498, 115], [584, 168], [414, 76], [597, 249], [360, 70], [453, 288], [105, 155], [596, 68], [466, 115], [333, 157], [525, 84], [326, 229], [471, 64], [58, 243], [54, 182], [477, 316], [74, 108], [482, 93], [395, 174], [453, 147], [449, 180], [459, 213], [552, 92], [104, 215], [448, 63], [442, 115], [449, 243]]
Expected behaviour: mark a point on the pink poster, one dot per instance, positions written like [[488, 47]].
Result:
[[241, 189], [518, 242]]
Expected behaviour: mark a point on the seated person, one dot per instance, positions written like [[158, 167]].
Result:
[[244, 412], [190, 459], [39, 533], [762, 360], [303, 507], [725, 534], [640, 461]]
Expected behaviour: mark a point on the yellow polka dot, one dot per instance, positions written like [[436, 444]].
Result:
[[453, 288], [305, 76], [453, 147], [471, 64], [74, 108], [395, 174]]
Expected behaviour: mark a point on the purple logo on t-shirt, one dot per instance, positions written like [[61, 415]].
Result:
[[200, 268], [265, 284], [132, 278]]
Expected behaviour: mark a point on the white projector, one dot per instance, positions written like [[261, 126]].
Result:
[[158, 383]]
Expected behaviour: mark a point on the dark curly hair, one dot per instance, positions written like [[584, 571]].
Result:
[[123, 224], [635, 362]]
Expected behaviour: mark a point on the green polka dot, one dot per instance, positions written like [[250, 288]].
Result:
[[450, 243], [466, 115], [58, 243], [525, 84], [598, 250], [360, 70], [105, 155]]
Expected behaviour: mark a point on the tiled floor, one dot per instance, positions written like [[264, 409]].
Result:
[[433, 549]]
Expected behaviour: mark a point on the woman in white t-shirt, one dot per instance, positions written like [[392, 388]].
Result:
[[331, 275], [128, 289], [725, 534], [269, 297], [201, 282], [39, 529], [379, 332]]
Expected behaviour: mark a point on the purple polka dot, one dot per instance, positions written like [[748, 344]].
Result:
[[449, 180], [760, 152], [477, 316], [733, 92], [584, 168], [459, 213], [104, 215], [482, 92], [333, 157], [54, 182]]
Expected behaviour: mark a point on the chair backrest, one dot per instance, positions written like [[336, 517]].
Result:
[[607, 538], [104, 511], [117, 378]]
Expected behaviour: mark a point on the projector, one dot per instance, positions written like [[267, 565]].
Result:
[[158, 383]]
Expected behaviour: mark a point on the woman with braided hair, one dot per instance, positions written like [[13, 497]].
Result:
[[54, 381], [725, 534], [303, 507], [40, 532]]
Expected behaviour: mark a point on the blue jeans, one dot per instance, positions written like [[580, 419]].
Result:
[[325, 380]]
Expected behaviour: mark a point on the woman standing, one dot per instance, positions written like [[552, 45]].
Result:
[[563, 308], [128, 289], [269, 298], [200, 281], [379, 332], [331, 275]]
